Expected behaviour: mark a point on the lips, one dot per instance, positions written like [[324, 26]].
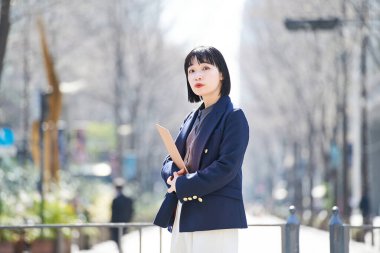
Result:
[[199, 85]]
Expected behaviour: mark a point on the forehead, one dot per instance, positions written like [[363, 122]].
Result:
[[195, 61], [200, 57]]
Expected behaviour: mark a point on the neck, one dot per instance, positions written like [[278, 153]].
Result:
[[210, 100]]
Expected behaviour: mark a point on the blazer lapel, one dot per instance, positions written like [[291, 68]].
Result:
[[180, 141], [209, 124]]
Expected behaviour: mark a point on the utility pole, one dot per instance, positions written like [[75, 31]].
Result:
[[313, 25], [26, 93], [364, 16], [297, 180], [4, 29], [344, 201], [42, 129], [330, 24], [119, 66], [343, 192]]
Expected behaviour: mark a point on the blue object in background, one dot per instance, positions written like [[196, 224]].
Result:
[[6, 137], [129, 166]]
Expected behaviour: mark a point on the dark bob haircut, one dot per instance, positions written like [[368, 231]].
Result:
[[210, 55]]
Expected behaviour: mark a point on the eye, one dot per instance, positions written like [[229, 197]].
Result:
[[206, 68], [190, 71]]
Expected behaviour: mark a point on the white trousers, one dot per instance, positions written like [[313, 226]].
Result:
[[212, 241]]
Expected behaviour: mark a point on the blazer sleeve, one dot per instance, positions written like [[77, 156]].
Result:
[[225, 168], [168, 166], [168, 169]]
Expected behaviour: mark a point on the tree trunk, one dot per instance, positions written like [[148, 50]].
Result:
[[4, 30]]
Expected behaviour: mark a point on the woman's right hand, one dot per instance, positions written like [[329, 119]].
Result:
[[181, 172]]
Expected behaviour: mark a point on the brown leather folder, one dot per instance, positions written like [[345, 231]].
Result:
[[171, 147]]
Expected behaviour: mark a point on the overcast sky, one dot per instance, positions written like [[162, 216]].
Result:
[[207, 22]]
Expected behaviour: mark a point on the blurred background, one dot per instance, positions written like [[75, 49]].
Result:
[[82, 84]]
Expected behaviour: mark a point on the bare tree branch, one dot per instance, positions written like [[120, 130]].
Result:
[[4, 30]]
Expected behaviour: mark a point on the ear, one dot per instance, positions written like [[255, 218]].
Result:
[[221, 76]]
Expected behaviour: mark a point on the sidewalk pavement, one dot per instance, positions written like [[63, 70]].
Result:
[[253, 239]]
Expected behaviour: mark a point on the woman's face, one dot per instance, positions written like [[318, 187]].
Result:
[[204, 78]]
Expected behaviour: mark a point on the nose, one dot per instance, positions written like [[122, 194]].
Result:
[[198, 76]]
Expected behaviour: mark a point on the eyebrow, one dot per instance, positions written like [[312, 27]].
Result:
[[201, 63]]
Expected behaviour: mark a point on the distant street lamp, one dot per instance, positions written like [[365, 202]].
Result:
[[312, 24], [331, 24]]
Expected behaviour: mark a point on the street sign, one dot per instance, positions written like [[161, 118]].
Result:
[[6, 137], [7, 141], [130, 165]]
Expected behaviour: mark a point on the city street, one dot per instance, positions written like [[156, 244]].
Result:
[[253, 239]]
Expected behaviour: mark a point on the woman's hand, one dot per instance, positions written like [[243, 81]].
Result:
[[181, 172], [172, 180]]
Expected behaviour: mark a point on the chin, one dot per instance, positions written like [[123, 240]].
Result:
[[198, 93]]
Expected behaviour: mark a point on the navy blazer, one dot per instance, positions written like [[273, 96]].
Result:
[[212, 196]]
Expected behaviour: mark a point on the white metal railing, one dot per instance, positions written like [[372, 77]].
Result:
[[339, 232]]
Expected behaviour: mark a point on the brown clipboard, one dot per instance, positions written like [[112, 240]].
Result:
[[171, 147]]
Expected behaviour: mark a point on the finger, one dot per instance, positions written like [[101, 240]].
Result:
[[181, 172], [170, 190], [169, 180]]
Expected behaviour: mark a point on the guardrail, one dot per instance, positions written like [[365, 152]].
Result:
[[339, 232], [119, 226], [289, 232]]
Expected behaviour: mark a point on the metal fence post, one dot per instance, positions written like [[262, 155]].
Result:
[[339, 237], [120, 235], [283, 238], [292, 228], [160, 239], [140, 239], [60, 241]]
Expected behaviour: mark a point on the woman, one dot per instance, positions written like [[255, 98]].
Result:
[[212, 140]]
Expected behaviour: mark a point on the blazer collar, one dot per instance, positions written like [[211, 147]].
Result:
[[220, 105]]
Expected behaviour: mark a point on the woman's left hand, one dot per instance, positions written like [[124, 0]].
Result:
[[171, 181]]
